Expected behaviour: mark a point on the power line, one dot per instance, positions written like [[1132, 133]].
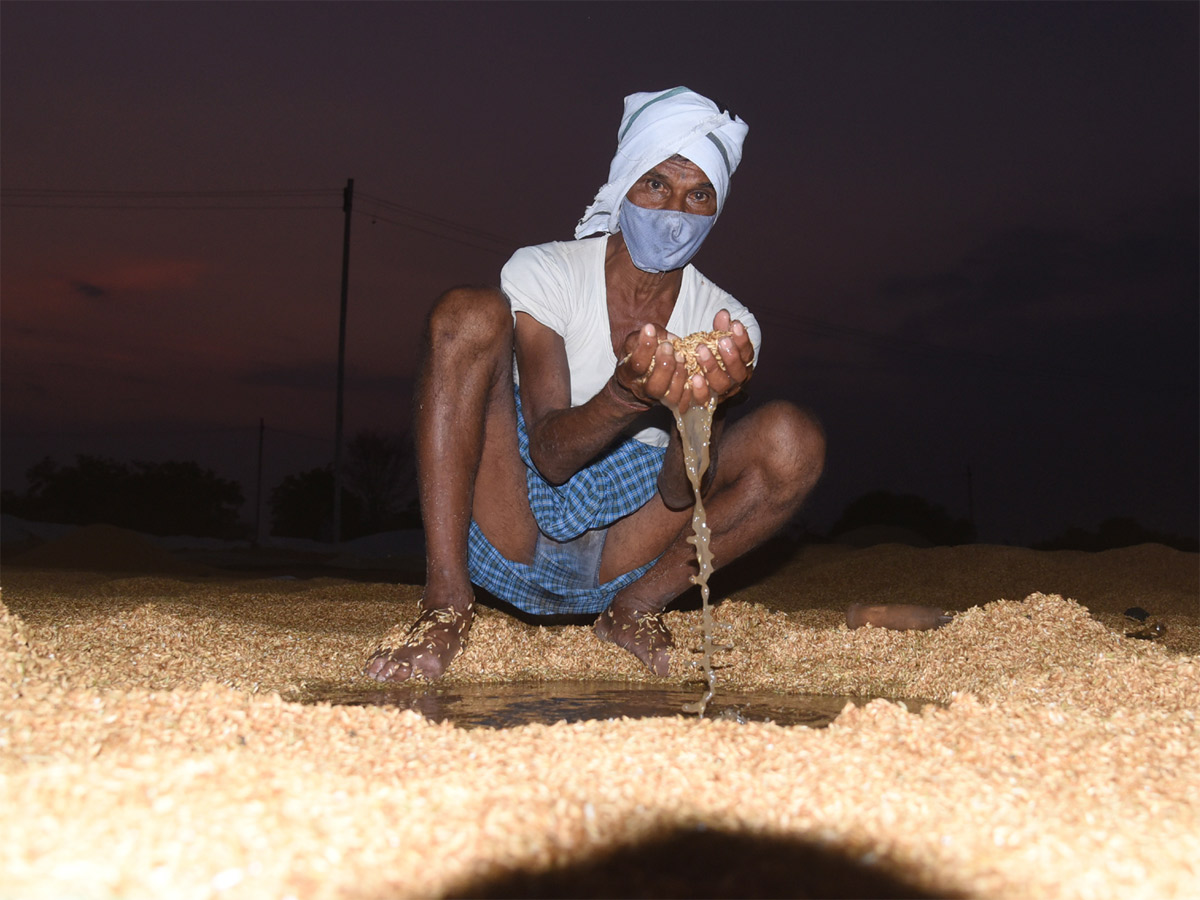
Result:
[[157, 432], [55, 198], [162, 200], [299, 434], [147, 206], [290, 198], [61, 192], [437, 220], [489, 242], [1008, 364], [504, 251]]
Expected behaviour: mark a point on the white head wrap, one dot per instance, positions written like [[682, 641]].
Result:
[[656, 126]]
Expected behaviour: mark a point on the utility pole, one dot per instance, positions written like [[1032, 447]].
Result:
[[258, 523], [347, 206], [970, 496]]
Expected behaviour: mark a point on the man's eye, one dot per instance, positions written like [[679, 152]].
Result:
[[654, 185]]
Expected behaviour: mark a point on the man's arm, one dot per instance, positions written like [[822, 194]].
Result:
[[563, 439]]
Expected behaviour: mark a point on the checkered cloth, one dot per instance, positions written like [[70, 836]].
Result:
[[622, 480]]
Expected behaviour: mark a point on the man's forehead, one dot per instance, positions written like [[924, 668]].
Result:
[[673, 164]]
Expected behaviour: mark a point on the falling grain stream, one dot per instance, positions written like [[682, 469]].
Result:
[[695, 432]]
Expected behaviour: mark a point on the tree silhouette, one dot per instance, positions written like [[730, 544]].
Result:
[[182, 498], [904, 511], [379, 469], [302, 507], [168, 498]]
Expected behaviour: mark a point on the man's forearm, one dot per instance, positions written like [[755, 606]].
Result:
[[566, 440]]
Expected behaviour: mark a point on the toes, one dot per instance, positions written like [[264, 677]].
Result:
[[384, 667], [645, 637], [603, 627], [656, 659], [427, 666], [431, 644], [390, 667], [659, 662]]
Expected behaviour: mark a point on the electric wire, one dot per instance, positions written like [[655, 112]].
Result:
[[55, 198], [504, 251], [166, 432], [71, 192], [294, 198], [448, 223], [981, 360], [489, 242]]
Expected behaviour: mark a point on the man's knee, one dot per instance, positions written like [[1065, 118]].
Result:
[[475, 317], [792, 444]]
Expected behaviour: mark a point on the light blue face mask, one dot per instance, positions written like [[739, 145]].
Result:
[[662, 239]]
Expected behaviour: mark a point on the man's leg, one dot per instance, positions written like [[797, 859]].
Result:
[[467, 464], [769, 462]]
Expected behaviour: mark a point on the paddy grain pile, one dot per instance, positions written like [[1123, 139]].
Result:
[[148, 746]]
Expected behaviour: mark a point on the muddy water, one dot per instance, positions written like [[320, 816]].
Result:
[[508, 705], [695, 430]]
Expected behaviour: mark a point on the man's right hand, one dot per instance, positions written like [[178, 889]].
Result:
[[650, 371]]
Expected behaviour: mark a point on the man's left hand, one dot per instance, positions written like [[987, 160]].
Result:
[[737, 355]]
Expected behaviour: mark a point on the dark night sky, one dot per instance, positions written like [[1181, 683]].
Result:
[[969, 230]]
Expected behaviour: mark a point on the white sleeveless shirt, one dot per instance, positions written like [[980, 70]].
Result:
[[562, 286]]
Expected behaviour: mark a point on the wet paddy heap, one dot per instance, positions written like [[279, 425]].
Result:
[[148, 747]]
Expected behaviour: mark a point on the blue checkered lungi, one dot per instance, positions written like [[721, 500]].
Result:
[[563, 575]]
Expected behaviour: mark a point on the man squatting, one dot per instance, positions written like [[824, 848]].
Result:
[[550, 470]]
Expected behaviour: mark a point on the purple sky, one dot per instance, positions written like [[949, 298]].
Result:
[[969, 230]]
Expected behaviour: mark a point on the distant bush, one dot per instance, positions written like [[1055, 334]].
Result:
[[1121, 531], [302, 507], [381, 470], [378, 474], [906, 511], [155, 498]]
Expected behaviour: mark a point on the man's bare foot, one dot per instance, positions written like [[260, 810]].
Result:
[[642, 634], [899, 616], [431, 644]]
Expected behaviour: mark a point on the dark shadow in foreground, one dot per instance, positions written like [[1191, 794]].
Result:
[[690, 863]]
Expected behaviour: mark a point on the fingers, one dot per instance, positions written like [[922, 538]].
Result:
[[722, 378], [652, 371], [638, 362], [639, 350], [667, 381], [676, 395], [665, 376], [741, 342], [723, 321], [737, 357]]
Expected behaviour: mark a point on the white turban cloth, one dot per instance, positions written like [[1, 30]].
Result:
[[656, 126]]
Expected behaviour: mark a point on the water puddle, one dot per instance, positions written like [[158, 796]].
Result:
[[507, 705]]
